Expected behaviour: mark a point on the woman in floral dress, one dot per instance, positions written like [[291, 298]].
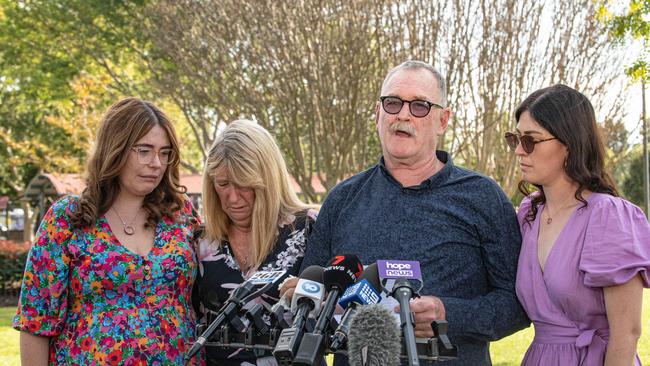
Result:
[[253, 222], [109, 277]]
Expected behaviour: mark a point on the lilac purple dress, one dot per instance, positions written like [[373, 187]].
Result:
[[603, 244]]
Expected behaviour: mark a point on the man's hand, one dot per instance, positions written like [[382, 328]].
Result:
[[425, 310], [288, 287]]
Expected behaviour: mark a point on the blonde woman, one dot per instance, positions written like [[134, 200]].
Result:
[[253, 220], [109, 277]]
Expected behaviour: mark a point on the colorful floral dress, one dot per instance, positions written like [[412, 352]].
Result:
[[220, 274], [102, 304]]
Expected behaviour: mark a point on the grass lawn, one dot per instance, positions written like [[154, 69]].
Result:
[[9, 346], [506, 352], [510, 350]]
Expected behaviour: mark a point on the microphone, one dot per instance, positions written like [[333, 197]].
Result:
[[306, 300], [374, 338], [341, 272], [403, 292], [283, 303], [240, 296], [364, 292], [277, 317], [254, 315]]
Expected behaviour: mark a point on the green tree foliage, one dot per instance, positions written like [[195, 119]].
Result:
[[633, 23], [57, 72], [632, 187], [308, 70], [617, 148]]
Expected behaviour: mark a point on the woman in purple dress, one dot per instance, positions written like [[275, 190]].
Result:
[[585, 251]]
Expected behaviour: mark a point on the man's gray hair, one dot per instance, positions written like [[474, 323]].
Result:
[[414, 65]]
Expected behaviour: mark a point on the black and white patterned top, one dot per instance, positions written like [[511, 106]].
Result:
[[219, 274]]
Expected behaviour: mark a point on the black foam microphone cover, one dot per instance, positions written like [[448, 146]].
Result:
[[371, 274], [313, 273], [342, 271], [374, 337]]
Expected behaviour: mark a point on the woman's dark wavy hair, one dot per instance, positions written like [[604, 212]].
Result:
[[569, 116], [126, 122]]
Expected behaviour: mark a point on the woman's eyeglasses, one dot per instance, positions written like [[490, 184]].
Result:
[[527, 142], [418, 108], [145, 155]]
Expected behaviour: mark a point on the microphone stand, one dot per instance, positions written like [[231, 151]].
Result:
[[403, 292], [228, 311]]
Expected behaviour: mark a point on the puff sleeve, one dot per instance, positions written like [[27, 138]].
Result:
[[522, 211], [617, 244], [43, 302]]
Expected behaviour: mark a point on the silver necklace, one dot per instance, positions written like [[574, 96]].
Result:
[[243, 259], [547, 211], [129, 229]]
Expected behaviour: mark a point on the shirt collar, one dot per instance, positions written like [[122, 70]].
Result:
[[433, 181]]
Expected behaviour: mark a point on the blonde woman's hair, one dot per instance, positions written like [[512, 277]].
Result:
[[124, 124], [252, 159]]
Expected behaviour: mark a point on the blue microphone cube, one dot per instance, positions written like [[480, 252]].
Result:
[[361, 293]]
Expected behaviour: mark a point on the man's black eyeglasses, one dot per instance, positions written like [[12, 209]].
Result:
[[418, 108], [527, 142]]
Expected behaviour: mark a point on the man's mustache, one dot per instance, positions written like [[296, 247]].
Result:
[[402, 127]]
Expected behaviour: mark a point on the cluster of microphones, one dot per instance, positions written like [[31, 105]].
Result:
[[367, 332]]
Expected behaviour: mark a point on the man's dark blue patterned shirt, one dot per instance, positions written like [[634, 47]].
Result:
[[458, 224]]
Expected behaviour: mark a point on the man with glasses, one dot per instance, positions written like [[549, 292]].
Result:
[[416, 205]]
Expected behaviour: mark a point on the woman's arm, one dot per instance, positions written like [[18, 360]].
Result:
[[34, 350], [623, 307]]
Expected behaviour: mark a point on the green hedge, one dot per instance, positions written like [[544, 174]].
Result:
[[12, 265]]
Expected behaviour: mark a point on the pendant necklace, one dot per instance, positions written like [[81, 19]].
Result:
[[549, 219], [128, 227]]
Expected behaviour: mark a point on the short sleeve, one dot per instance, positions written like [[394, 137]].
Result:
[[617, 244], [43, 296]]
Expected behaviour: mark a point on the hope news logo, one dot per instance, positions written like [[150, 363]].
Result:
[[398, 269]]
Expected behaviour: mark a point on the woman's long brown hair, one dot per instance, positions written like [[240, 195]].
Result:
[[126, 122], [569, 116]]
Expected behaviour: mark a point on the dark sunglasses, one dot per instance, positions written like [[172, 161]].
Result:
[[418, 108], [527, 142]]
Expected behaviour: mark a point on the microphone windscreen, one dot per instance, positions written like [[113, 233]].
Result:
[[374, 337], [313, 273], [342, 271], [371, 274]]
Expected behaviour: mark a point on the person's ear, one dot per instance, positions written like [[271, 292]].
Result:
[[445, 116]]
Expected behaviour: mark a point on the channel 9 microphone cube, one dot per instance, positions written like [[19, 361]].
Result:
[[361, 293]]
